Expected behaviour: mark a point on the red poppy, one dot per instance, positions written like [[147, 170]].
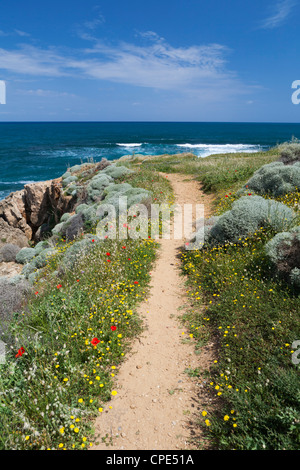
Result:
[[20, 352], [107, 254], [36, 293], [93, 240], [59, 286], [135, 282], [113, 328], [123, 247], [95, 341]]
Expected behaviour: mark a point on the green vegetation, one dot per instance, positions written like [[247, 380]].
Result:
[[241, 303], [217, 173], [66, 344]]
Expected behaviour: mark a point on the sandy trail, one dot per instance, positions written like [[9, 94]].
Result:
[[156, 399]]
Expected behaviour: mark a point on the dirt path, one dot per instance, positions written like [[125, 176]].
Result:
[[156, 399]]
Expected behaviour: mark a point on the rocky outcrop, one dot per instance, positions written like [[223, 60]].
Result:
[[27, 212], [10, 234]]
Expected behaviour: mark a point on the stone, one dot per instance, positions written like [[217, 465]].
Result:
[[13, 211], [12, 235]]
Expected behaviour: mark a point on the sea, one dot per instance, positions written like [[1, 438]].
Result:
[[38, 151]]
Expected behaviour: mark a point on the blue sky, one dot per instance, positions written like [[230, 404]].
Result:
[[164, 60]]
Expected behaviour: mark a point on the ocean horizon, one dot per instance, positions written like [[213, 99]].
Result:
[[38, 151]]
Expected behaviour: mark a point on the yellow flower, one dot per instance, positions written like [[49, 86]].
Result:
[[226, 418], [114, 393], [204, 413], [80, 400], [207, 422], [62, 430]]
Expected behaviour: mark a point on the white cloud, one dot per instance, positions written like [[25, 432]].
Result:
[[198, 69], [32, 61], [46, 93], [281, 11], [21, 33]]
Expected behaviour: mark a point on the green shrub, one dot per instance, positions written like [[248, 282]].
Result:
[[76, 251], [25, 255], [275, 179], [247, 215], [9, 252], [117, 188], [290, 153], [284, 252], [41, 260], [65, 217], [81, 208], [69, 180], [57, 230], [97, 185], [133, 195], [12, 298], [39, 247], [117, 172], [73, 227]]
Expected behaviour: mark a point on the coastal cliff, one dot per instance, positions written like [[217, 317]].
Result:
[[25, 214]]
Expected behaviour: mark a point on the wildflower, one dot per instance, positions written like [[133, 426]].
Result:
[[207, 422], [204, 413], [20, 352], [95, 341], [113, 328], [58, 286], [114, 393], [226, 418]]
